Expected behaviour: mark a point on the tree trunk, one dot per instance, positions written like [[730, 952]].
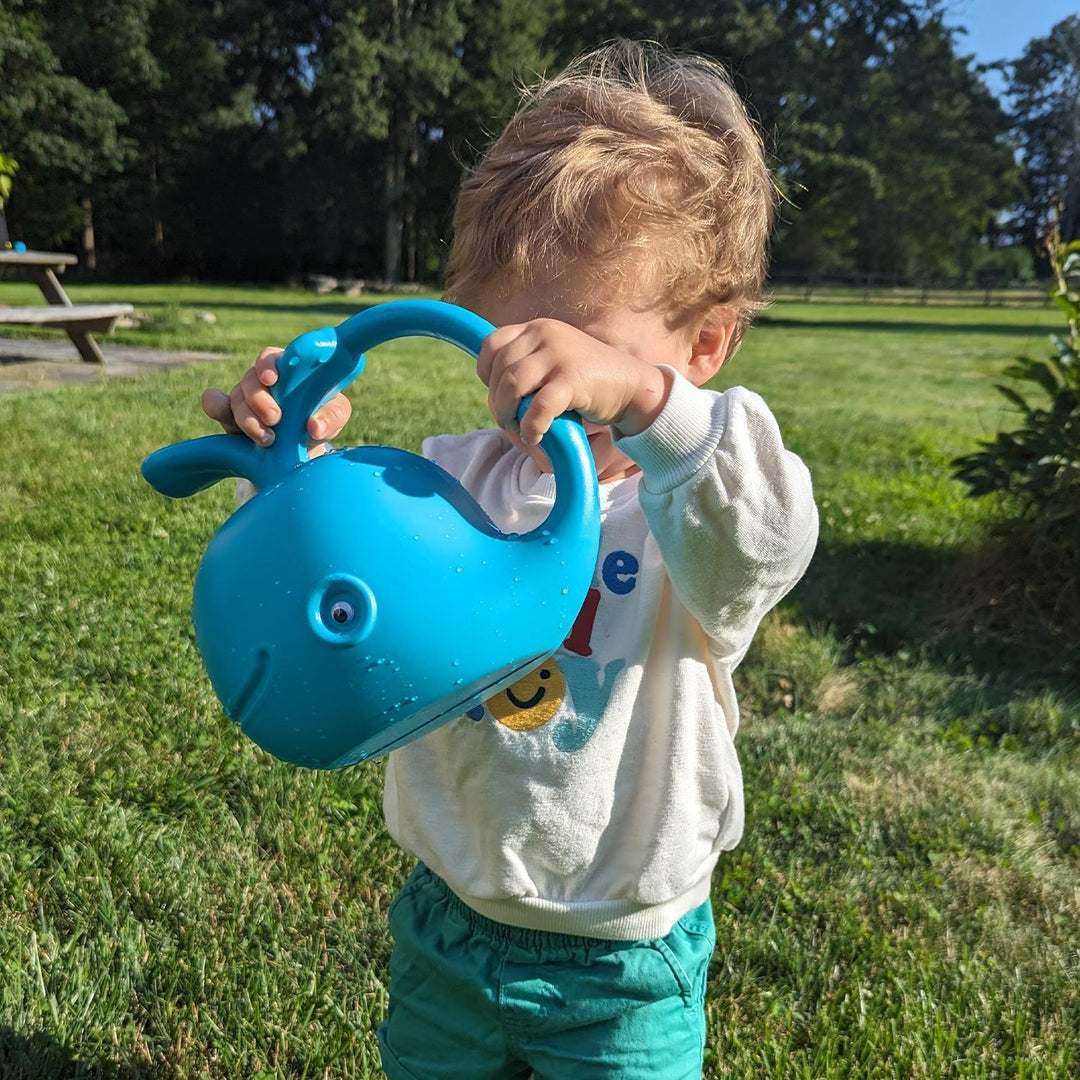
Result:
[[1070, 214], [393, 203], [159, 227], [89, 250], [412, 184]]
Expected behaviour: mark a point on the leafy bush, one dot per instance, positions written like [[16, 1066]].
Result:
[[8, 168], [1037, 466]]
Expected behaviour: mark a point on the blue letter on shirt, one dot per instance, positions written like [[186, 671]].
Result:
[[618, 572]]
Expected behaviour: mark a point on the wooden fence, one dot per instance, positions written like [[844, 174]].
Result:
[[881, 289]]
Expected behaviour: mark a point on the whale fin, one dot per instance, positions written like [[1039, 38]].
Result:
[[185, 468]]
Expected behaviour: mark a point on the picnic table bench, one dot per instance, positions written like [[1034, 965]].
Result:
[[79, 320]]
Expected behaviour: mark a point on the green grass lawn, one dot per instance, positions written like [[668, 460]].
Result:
[[174, 903]]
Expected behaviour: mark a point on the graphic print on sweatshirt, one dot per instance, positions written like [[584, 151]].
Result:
[[570, 677]]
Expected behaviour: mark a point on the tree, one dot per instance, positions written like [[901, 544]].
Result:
[[386, 70], [890, 150], [938, 138], [1044, 92], [65, 134]]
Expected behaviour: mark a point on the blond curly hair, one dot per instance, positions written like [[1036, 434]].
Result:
[[637, 163]]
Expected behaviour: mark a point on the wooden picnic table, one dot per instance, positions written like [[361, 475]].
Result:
[[78, 320]]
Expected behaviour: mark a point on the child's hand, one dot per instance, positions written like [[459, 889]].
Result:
[[250, 410], [566, 368]]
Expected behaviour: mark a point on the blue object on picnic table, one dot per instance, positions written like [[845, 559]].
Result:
[[363, 598]]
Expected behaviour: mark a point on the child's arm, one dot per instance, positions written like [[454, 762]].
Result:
[[732, 510]]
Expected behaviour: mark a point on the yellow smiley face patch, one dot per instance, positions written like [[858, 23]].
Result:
[[532, 701]]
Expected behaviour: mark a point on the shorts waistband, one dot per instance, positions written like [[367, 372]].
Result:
[[540, 941]]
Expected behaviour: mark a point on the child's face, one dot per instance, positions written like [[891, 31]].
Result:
[[644, 334]]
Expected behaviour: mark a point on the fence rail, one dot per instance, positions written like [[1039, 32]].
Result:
[[878, 289]]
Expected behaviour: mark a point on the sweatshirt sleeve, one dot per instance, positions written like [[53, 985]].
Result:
[[731, 509]]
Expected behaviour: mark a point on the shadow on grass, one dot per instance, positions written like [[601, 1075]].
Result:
[[884, 597], [336, 308], [915, 327], [339, 309], [38, 1056]]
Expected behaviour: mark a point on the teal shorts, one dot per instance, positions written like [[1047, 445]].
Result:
[[473, 999]]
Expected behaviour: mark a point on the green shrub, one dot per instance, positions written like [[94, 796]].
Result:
[[1036, 467], [8, 168]]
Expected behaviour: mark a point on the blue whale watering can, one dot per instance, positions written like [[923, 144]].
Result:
[[363, 598]]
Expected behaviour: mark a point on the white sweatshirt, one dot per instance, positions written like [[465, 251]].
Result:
[[595, 796]]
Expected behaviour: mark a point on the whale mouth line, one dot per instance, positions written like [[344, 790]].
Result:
[[249, 692]]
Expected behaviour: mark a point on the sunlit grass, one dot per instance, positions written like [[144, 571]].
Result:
[[175, 903]]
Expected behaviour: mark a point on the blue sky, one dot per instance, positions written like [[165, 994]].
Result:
[[1000, 29]]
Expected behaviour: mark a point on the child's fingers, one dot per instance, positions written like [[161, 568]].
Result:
[[266, 365], [215, 403], [328, 421], [258, 398], [247, 422], [493, 345], [549, 402], [510, 384], [254, 409]]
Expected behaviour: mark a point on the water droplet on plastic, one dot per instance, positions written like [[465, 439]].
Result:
[[416, 537], [566, 592], [459, 569], [455, 663]]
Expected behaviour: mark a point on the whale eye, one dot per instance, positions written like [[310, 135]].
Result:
[[342, 612]]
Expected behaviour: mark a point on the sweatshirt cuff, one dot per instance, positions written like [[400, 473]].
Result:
[[682, 437]]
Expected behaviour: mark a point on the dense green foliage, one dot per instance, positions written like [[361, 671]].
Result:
[[1038, 463], [1034, 469], [8, 168], [1044, 91], [175, 904], [247, 141]]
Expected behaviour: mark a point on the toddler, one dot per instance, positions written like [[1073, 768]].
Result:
[[558, 923]]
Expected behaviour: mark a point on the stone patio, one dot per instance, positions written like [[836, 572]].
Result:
[[36, 364]]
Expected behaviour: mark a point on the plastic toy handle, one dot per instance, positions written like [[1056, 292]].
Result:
[[317, 365], [321, 363]]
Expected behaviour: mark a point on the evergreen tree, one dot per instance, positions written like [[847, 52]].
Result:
[[65, 134], [1044, 91]]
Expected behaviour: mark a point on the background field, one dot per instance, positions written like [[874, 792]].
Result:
[[174, 903]]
